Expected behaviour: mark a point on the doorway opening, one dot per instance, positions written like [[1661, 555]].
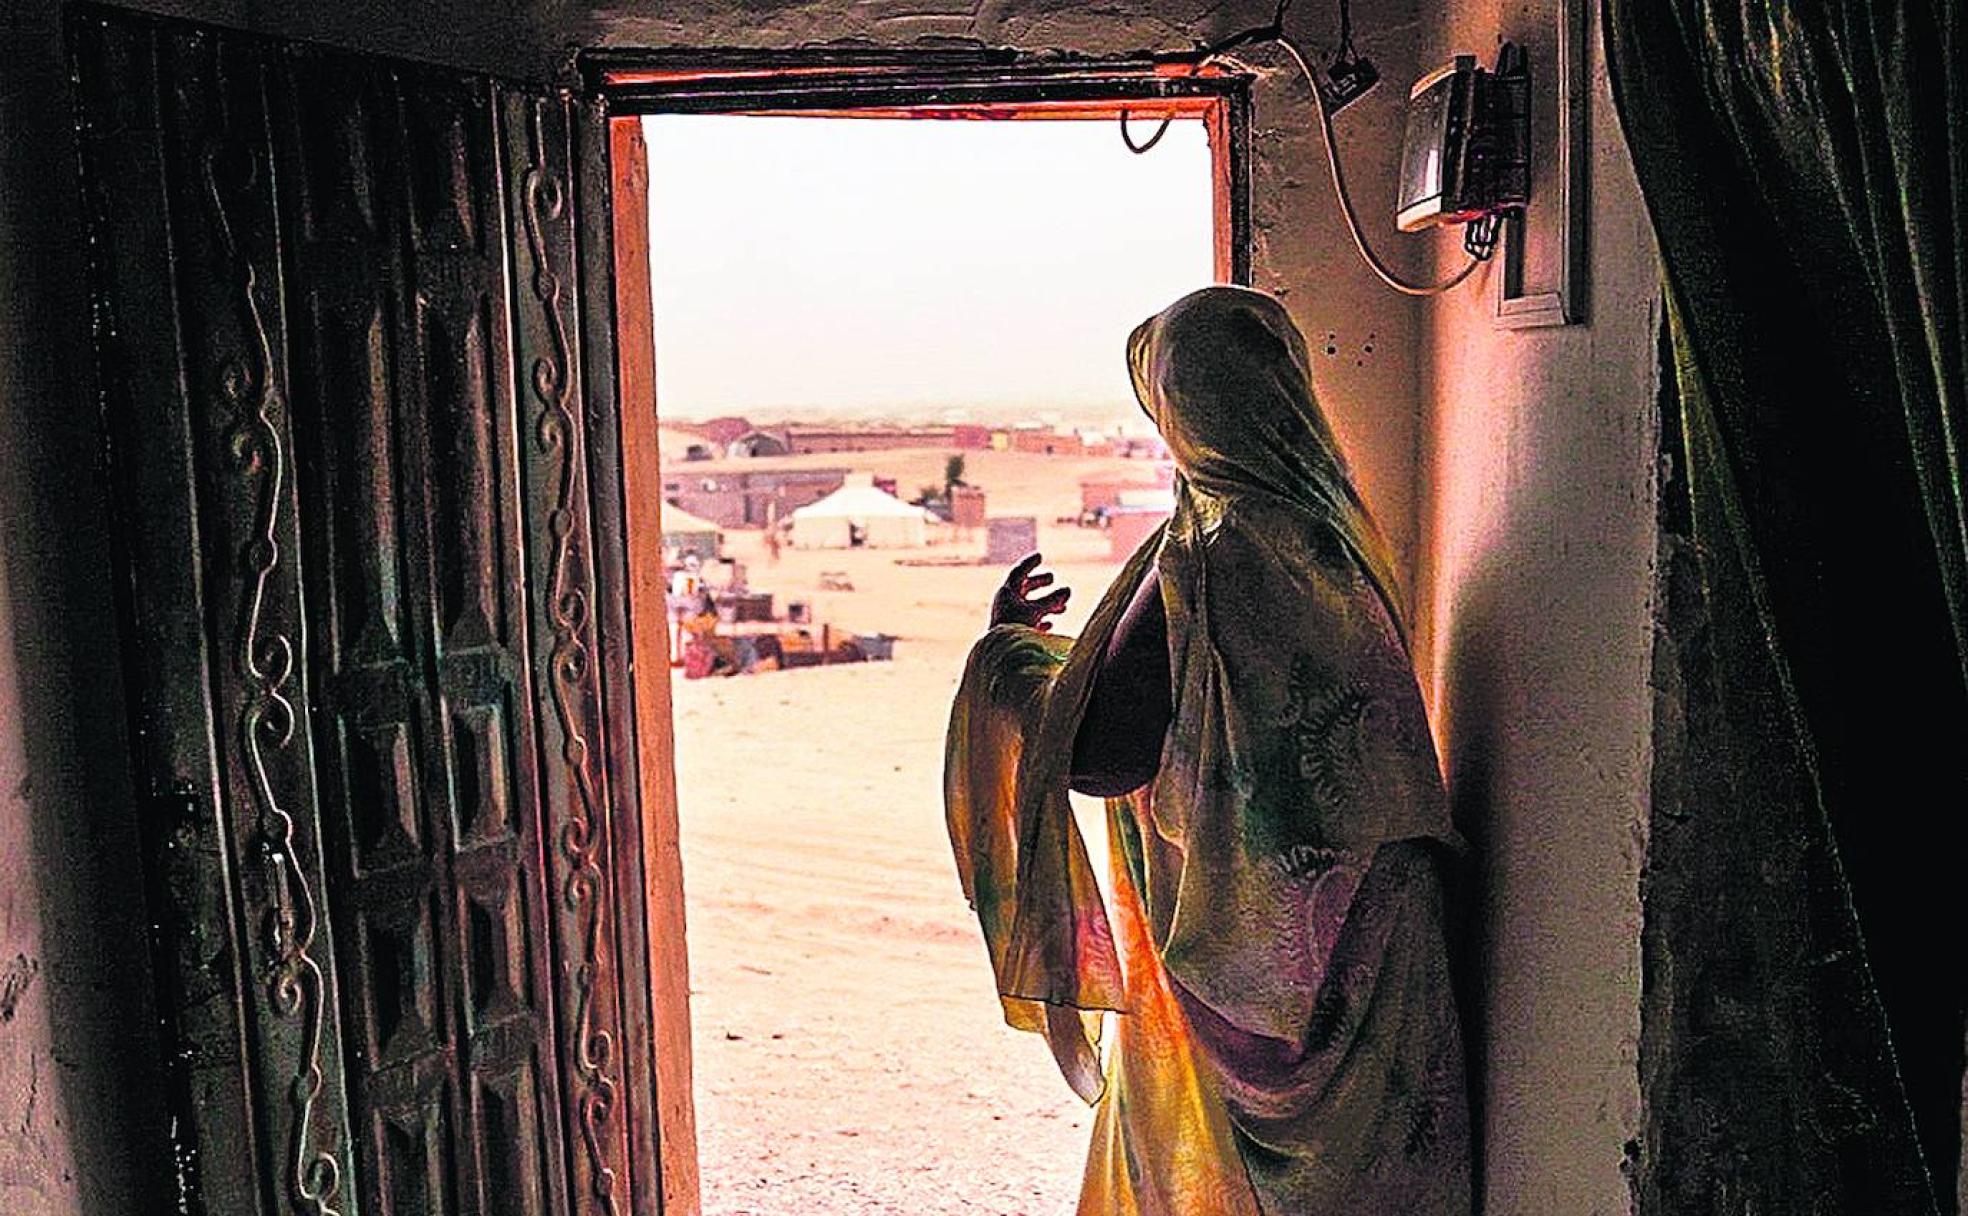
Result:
[[889, 361]]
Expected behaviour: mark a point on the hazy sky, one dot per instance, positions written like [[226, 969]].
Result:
[[854, 266]]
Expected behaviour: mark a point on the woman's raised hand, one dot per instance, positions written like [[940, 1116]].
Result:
[[1016, 603]]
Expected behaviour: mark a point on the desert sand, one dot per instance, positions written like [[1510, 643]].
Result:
[[850, 1053]]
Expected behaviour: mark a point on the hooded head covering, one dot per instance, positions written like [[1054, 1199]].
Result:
[[1225, 376], [1298, 742]]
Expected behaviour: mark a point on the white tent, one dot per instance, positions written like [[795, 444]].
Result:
[[687, 533], [858, 513]]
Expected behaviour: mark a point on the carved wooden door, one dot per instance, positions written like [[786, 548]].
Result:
[[360, 422]]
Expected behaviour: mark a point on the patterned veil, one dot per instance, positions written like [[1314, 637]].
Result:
[[1298, 747]]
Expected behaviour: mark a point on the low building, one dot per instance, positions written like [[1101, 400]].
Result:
[[1046, 442], [1010, 537], [1100, 494], [721, 432], [967, 506], [761, 443], [804, 440], [676, 443], [1128, 526], [969, 437], [748, 498]]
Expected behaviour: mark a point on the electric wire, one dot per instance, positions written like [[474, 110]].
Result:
[[1274, 32], [1128, 139], [1367, 253], [1209, 54]]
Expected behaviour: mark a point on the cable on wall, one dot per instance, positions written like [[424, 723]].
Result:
[[1367, 254], [1479, 238], [1209, 54]]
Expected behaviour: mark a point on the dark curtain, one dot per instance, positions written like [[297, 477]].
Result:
[[1806, 170]]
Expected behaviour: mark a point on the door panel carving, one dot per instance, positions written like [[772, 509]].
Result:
[[538, 161], [343, 346]]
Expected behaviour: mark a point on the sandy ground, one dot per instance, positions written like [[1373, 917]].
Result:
[[850, 1055]]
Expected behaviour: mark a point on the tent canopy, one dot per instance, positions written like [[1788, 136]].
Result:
[[677, 521], [859, 513], [685, 533], [860, 501]]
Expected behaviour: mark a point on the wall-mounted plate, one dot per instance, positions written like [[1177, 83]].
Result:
[[1545, 249]]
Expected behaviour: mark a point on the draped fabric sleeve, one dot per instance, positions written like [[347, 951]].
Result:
[[1025, 869], [999, 707]]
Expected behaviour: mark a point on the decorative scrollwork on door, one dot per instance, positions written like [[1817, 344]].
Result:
[[581, 838], [264, 660]]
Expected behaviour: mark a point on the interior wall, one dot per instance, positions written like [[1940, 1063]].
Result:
[[80, 1127], [1538, 458]]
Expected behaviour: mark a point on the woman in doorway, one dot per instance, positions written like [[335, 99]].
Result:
[[1287, 1041]]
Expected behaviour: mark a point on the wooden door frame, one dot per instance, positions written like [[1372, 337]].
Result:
[[959, 85], [984, 85]]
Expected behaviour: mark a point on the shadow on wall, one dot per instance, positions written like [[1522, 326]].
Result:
[[1541, 665], [1472, 671], [81, 1095]]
